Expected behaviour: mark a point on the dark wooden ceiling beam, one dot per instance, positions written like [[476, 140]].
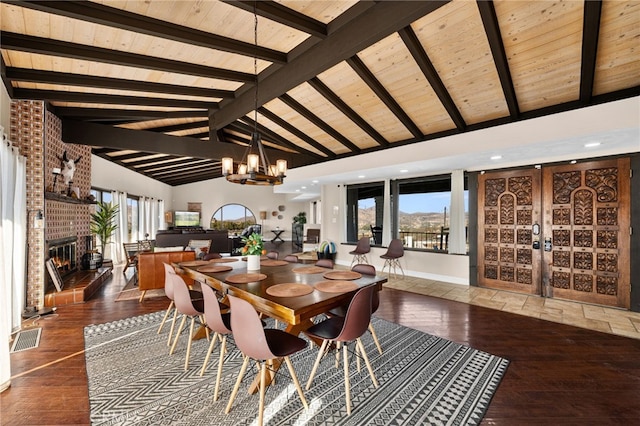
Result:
[[172, 165], [590, 34], [325, 127], [115, 114], [52, 77], [98, 98], [494, 37], [50, 47], [294, 130], [246, 126], [374, 24], [271, 136], [118, 18], [367, 76], [426, 66], [180, 127], [283, 15], [328, 94], [98, 135]]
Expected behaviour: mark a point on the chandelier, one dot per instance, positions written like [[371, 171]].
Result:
[[255, 168]]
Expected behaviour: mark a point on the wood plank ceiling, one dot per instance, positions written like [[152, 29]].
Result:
[[168, 88]]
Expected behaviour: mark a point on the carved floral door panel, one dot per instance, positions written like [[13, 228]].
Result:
[[509, 219], [587, 222], [563, 231]]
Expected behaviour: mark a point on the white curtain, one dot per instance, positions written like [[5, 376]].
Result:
[[149, 221], [457, 233], [160, 217], [122, 231], [12, 246]]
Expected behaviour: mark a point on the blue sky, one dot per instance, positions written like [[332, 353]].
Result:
[[422, 203]]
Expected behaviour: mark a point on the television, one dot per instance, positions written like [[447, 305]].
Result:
[[184, 219]]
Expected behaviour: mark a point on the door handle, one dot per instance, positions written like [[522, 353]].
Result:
[[547, 244]]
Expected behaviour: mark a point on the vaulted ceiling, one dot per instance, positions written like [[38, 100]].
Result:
[[167, 88]]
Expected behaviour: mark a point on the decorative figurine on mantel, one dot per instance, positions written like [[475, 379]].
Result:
[[68, 169]]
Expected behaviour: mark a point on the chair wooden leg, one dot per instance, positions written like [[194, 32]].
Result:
[[323, 347], [347, 385], [166, 315], [366, 361], [296, 382], [223, 350], [212, 345], [243, 369], [375, 338], [186, 358], [142, 296], [263, 379], [173, 324], [175, 341], [338, 354]]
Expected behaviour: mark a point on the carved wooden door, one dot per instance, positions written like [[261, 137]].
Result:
[[586, 230], [509, 219], [562, 232]]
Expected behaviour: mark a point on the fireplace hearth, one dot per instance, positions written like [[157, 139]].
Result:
[[63, 252]]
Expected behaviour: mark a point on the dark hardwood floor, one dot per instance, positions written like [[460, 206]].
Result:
[[559, 375]]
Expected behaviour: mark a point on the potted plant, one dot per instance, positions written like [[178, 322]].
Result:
[[327, 250], [103, 223], [253, 249], [298, 228]]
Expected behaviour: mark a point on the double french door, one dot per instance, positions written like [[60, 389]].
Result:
[[558, 231]]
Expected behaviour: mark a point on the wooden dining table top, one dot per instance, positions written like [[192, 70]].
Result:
[[295, 311]]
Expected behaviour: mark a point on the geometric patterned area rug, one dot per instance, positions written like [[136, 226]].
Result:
[[424, 380]]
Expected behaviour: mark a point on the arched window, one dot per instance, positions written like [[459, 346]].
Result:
[[232, 217]]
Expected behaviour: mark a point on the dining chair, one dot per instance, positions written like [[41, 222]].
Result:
[[392, 257], [220, 324], [210, 256], [262, 345], [131, 254], [273, 255], [188, 308], [360, 252], [291, 258], [344, 330], [325, 263]]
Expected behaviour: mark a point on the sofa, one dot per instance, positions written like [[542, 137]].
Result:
[[176, 237], [151, 269]]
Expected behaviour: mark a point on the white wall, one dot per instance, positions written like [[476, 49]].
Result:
[[107, 175], [215, 193]]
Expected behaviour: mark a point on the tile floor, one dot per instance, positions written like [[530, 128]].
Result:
[[593, 317]]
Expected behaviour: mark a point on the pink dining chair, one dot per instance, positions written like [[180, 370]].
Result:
[[261, 345], [189, 308], [344, 330], [291, 258], [325, 263], [360, 252], [220, 324], [273, 255]]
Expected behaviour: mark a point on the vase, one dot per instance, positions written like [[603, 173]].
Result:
[[253, 262]]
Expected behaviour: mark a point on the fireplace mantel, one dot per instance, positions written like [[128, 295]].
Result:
[[64, 199]]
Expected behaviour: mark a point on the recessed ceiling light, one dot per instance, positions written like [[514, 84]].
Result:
[[591, 144], [361, 176], [315, 181], [572, 162], [496, 157], [304, 187], [404, 171]]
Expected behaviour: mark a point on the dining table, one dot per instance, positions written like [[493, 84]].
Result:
[[292, 293], [229, 275]]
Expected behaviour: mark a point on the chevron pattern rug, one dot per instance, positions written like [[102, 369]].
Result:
[[423, 380]]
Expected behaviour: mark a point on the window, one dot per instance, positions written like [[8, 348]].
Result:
[[421, 216], [101, 195], [232, 217], [133, 218], [365, 212]]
